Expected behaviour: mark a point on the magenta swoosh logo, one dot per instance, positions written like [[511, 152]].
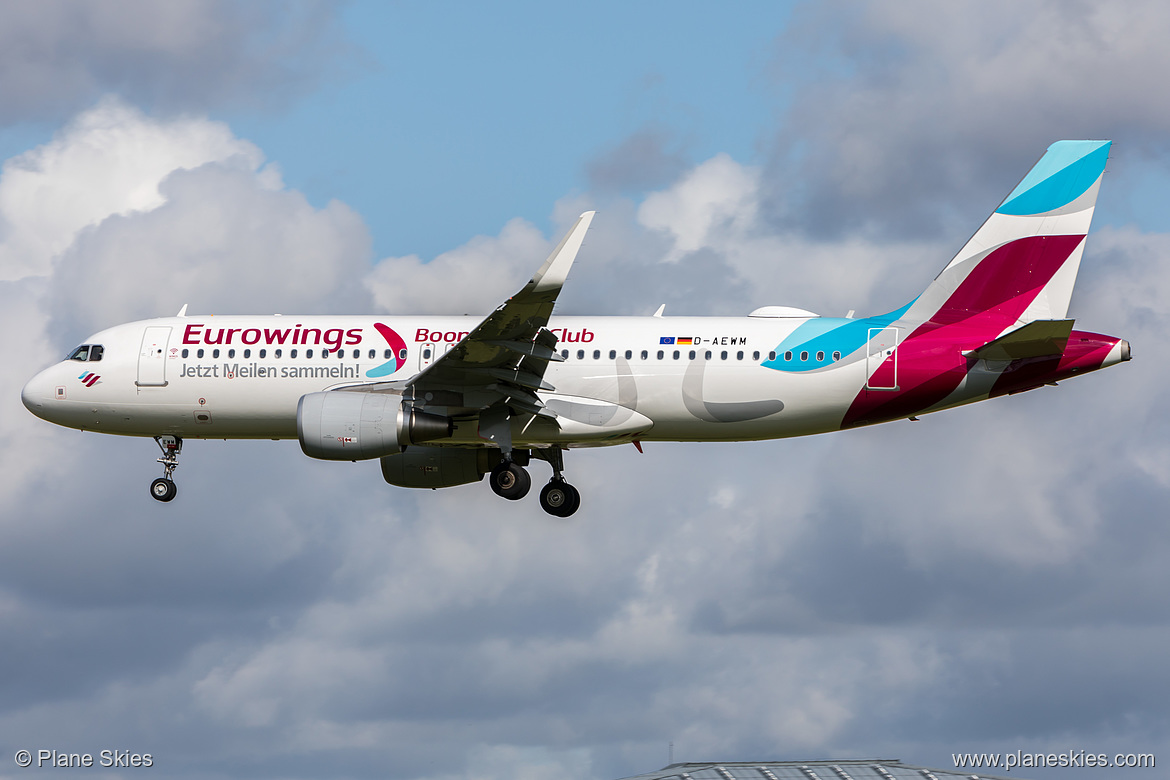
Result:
[[397, 344]]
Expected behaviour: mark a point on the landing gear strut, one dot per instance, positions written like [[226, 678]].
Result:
[[558, 497], [163, 488]]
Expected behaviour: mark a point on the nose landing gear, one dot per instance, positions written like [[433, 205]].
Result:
[[163, 488]]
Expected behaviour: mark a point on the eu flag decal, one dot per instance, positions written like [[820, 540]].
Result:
[[666, 340]]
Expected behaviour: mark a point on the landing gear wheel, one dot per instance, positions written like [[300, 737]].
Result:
[[162, 489], [510, 481], [559, 498]]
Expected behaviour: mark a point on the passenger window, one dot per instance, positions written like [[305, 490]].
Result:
[[660, 354], [597, 354], [341, 353], [723, 355], [402, 354], [756, 355], [565, 354], [389, 353], [215, 352], [707, 355], [836, 356], [231, 353], [645, 355], [427, 353], [199, 352], [629, 354], [263, 353], [292, 353], [81, 353], [580, 354], [820, 357], [771, 356], [804, 356], [676, 354], [691, 354], [788, 355], [372, 354], [247, 353], [613, 354], [277, 352], [95, 352], [186, 352], [308, 353], [739, 355]]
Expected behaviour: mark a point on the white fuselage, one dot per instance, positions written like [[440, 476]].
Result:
[[243, 376]]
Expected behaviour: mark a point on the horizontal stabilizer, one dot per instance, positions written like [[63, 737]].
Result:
[[1039, 338]]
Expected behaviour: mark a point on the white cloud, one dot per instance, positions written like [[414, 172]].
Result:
[[472, 279], [109, 160]]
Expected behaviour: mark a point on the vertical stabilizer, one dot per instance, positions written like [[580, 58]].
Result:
[[1022, 263]]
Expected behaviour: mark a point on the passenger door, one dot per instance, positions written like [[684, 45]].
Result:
[[152, 362]]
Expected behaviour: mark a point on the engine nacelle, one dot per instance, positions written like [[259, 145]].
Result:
[[436, 467], [341, 425]]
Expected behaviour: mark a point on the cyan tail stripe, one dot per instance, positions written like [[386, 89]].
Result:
[[827, 335], [1062, 175]]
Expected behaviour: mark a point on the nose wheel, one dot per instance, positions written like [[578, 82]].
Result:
[[163, 488]]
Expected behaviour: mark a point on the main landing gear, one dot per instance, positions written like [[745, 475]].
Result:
[[163, 488], [510, 480]]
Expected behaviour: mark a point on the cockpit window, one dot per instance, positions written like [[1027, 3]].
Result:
[[90, 352]]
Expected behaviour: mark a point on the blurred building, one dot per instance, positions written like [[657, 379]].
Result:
[[850, 769]]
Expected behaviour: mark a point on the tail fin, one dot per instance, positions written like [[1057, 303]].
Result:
[[1023, 262]]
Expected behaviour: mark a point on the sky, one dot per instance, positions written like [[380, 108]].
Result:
[[988, 579]]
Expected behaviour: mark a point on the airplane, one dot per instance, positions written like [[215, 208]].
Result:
[[443, 401]]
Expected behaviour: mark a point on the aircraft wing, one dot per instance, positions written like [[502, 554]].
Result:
[[502, 361]]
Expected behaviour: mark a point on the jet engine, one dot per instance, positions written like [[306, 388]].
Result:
[[342, 425]]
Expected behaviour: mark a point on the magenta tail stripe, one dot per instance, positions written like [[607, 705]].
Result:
[[1022, 266]]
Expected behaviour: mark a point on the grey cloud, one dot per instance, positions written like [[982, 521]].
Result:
[[917, 120], [642, 161], [59, 55]]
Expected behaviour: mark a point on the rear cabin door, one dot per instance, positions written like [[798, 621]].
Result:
[[881, 364], [152, 362]]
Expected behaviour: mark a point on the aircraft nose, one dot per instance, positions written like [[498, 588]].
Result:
[[37, 393]]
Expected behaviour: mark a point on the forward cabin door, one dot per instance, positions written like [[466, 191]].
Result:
[[881, 363], [152, 357]]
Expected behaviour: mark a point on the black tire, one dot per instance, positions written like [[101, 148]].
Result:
[[510, 481], [575, 502], [163, 489], [559, 498]]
